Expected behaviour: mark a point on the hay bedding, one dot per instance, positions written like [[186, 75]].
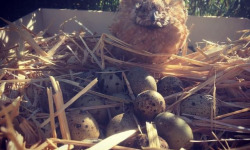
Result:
[[42, 71]]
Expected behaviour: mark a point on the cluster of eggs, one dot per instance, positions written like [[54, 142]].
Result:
[[149, 105]]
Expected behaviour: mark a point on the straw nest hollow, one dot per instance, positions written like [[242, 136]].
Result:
[[42, 76]]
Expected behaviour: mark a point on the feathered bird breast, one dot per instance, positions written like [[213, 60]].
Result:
[[156, 26]]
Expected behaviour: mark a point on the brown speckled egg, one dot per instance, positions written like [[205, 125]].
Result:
[[110, 81], [119, 123], [141, 140], [148, 104], [169, 85], [140, 80], [198, 104], [101, 115], [85, 77], [82, 126], [120, 109], [174, 130]]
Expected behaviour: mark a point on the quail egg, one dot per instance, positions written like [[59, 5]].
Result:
[[141, 140], [120, 109], [110, 81], [174, 130], [148, 104], [85, 77], [198, 104], [140, 80], [169, 85], [119, 123], [100, 115], [82, 126]]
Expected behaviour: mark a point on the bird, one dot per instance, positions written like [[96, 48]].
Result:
[[155, 26]]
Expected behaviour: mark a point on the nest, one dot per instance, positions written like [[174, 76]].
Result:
[[218, 69]]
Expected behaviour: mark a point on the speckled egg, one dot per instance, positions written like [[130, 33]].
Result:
[[198, 104], [141, 140], [82, 126], [174, 130], [120, 109], [140, 80], [119, 123], [169, 85], [110, 81], [148, 104], [100, 115], [85, 77]]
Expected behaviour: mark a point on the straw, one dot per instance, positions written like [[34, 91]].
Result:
[[27, 37], [71, 101], [153, 139], [51, 111], [113, 140], [58, 100]]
